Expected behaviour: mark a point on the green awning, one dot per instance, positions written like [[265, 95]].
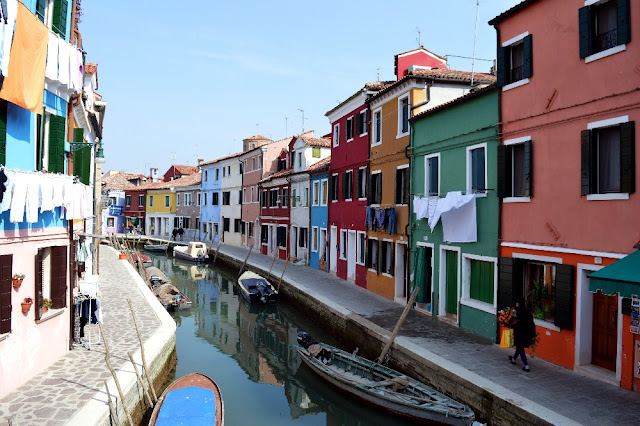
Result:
[[621, 277]]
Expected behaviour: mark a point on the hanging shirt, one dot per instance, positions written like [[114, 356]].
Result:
[[33, 198], [46, 191], [51, 71], [8, 192], [64, 56], [6, 35], [19, 200]]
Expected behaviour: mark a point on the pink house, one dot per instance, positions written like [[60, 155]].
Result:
[[567, 176]]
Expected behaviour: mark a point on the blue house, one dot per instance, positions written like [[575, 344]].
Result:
[[210, 201], [319, 212]]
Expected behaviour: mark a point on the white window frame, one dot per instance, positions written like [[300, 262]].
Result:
[[513, 41], [178, 199], [343, 240], [167, 201], [516, 141], [141, 200], [400, 134], [465, 297], [374, 270], [363, 113], [427, 173], [350, 126], [365, 180], [244, 195], [376, 135], [361, 249], [375, 172], [336, 134], [324, 192], [350, 171], [316, 191], [314, 237], [469, 177], [252, 195]]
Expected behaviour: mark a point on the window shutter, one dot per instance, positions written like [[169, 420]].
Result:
[[367, 261], [584, 22], [506, 282], [406, 186], [624, 27], [3, 131], [379, 257], [344, 186], [81, 158], [330, 197], [627, 158], [60, 8], [58, 277], [359, 123], [398, 187], [501, 67], [40, 6], [564, 295], [528, 169], [6, 271], [502, 171], [370, 192], [56, 144], [38, 276], [585, 162], [527, 66], [379, 189]]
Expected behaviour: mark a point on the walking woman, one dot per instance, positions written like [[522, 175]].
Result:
[[523, 333]]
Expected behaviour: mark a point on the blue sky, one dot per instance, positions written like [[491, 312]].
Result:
[[191, 79]]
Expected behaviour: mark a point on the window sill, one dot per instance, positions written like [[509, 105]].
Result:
[[516, 200], [361, 264], [546, 324], [605, 197], [387, 275], [479, 305], [376, 144], [348, 199], [605, 53], [342, 258], [363, 134], [402, 135], [515, 84], [4, 336], [349, 140], [479, 194], [362, 199], [52, 313]]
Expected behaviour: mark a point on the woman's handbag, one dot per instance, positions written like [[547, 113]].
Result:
[[506, 340]]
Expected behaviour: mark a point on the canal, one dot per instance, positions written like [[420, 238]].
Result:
[[250, 352]]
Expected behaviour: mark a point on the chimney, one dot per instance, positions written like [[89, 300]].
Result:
[[153, 173], [200, 161]]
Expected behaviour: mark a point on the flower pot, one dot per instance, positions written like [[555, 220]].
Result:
[[17, 282], [26, 307], [45, 309], [122, 256]]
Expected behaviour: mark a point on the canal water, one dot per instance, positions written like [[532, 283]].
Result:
[[250, 352]]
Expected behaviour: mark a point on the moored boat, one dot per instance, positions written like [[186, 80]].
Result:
[[139, 257], [156, 276], [156, 248], [171, 298], [381, 386], [195, 251], [256, 289], [191, 399]]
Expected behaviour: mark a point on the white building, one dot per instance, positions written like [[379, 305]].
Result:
[[231, 170]]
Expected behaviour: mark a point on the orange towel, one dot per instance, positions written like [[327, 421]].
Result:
[[25, 84]]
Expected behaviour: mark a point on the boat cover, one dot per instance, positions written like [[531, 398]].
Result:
[[188, 406], [253, 282]]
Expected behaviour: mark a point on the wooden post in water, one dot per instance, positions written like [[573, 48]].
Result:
[[283, 270], [245, 262], [112, 409], [217, 250], [400, 321], [272, 262], [139, 378], [144, 359]]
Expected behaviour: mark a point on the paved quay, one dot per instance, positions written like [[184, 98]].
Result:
[[555, 394], [71, 391]]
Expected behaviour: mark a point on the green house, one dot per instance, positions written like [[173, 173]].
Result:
[[454, 154]]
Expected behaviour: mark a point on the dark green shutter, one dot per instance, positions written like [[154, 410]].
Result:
[[564, 289], [624, 26], [58, 277], [359, 124], [627, 158], [502, 172], [81, 158], [406, 186], [6, 265], [379, 189], [527, 66], [38, 276], [344, 186], [528, 169], [481, 285], [584, 22], [506, 282], [60, 8], [56, 144], [40, 7], [3, 131], [367, 259], [585, 162], [501, 67]]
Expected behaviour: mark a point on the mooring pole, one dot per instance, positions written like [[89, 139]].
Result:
[[245, 262], [283, 270], [141, 380], [144, 358], [275, 256], [400, 321], [217, 250]]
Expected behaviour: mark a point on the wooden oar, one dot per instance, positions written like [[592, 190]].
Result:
[[400, 321]]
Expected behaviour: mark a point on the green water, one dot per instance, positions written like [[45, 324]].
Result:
[[250, 352]]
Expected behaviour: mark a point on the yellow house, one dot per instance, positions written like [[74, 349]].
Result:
[[160, 209]]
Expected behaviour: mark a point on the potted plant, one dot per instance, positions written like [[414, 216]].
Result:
[[538, 295], [17, 280], [46, 304], [26, 304]]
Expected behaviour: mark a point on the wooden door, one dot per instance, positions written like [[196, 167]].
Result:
[[605, 325], [451, 279]]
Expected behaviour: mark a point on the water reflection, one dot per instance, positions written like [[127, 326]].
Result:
[[250, 352]]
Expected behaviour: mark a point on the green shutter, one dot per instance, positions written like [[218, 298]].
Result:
[[627, 158], [584, 22], [451, 281], [585, 162], [60, 9], [56, 144], [527, 66], [3, 131], [506, 282], [528, 169], [564, 296], [624, 26], [481, 283], [502, 172], [81, 158], [40, 7], [501, 67]]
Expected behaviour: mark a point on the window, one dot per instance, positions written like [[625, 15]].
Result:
[[361, 123], [228, 170], [314, 238], [336, 134], [259, 162], [240, 198], [294, 197], [306, 197], [375, 188], [242, 228], [515, 61], [127, 201], [303, 237], [604, 26], [299, 159], [347, 185], [150, 200], [250, 228], [244, 195], [325, 191], [361, 183], [608, 162], [282, 164], [242, 166], [252, 195], [481, 279], [226, 222], [51, 278], [53, 14], [539, 289], [476, 169], [316, 193], [315, 152], [281, 236], [264, 233], [187, 199], [6, 272], [176, 222], [178, 199], [237, 225], [215, 198], [285, 197], [432, 174], [334, 187], [263, 201], [166, 201], [273, 198], [373, 255], [110, 222], [226, 198], [217, 174], [515, 161], [205, 198], [377, 127], [402, 186], [206, 175], [197, 223], [360, 247], [343, 244], [349, 129], [387, 252], [224, 172], [186, 222], [403, 115], [140, 200], [113, 201]]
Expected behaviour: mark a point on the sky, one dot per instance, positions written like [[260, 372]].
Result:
[[192, 79]]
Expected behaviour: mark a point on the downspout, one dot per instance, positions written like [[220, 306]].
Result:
[[499, 199]]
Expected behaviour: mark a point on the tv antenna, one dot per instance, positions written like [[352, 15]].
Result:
[[378, 73], [302, 111], [418, 38], [286, 126], [475, 37]]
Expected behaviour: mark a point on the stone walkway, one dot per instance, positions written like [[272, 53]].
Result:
[[574, 397], [56, 395]]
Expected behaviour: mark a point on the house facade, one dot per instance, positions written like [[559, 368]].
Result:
[[176, 171], [160, 209], [455, 260], [319, 214], [114, 186], [188, 195], [569, 146], [274, 210], [231, 199], [210, 202], [135, 208]]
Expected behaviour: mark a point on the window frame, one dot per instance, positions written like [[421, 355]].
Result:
[[167, 201], [361, 248], [401, 99], [361, 183], [334, 188], [324, 197], [127, 200], [373, 199], [285, 197], [316, 193], [343, 245], [406, 182], [508, 145], [469, 170], [388, 259], [363, 117], [347, 192], [376, 127], [370, 253], [506, 51], [336, 134], [141, 201], [349, 128], [588, 23], [314, 238], [427, 174]]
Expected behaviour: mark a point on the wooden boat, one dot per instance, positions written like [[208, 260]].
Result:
[[156, 248], [171, 298], [256, 289], [195, 251], [146, 260], [192, 399], [156, 276], [381, 386]]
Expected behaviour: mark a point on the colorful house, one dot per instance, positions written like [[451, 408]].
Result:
[[319, 213], [274, 209], [135, 208], [114, 186], [455, 260], [176, 171], [567, 177], [210, 202], [423, 87], [188, 205], [160, 209], [349, 176]]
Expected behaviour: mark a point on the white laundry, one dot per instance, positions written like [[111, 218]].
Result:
[[33, 198], [58, 190], [453, 200], [8, 193], [46, 194], [459, 225], [88, 203], [64, 56], [76, 71], [421, 206], [51, 71], [6, 35], [19, 199]]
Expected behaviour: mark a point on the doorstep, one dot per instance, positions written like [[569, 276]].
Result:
[[598, 373]]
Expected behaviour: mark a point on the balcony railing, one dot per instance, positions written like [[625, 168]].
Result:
[[606, 40]]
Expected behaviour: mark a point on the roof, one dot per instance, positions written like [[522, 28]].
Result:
[[320, 165], [375, 86], [517, 8], [281, 173], [421, 48], [257, 138], [90, 68], [472, 94], [317, 142], [194, 179], [186, 170], [237, 154], [119, 180], [622, 276]]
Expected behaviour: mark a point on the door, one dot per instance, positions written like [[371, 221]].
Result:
[[451, 280], [333, 252], [351, 255], [322, 247], [400, 272], [294, 241], [604, 334]]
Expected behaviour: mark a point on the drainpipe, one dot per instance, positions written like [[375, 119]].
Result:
[[499, 199]]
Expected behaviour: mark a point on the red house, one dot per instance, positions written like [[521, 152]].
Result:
[[274, 209], [176, 171], [134, 207], [348, 177]]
